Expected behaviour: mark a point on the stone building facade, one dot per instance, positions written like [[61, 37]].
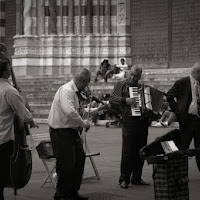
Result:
[[56, 37]]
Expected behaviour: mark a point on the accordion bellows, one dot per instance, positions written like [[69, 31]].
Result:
[[149, 101]]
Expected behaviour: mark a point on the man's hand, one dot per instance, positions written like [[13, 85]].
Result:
[[101, 107], [33, 124], [131, 102], [87, 126]]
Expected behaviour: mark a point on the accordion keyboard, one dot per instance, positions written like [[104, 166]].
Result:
[[133, 92]]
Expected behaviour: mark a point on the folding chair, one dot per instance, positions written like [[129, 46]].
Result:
[[90, 155], [45, 153]]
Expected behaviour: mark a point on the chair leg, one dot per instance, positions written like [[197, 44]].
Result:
[[92, 162], [49, 176], [94, 167]]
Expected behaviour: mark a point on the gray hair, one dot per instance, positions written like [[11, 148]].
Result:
[[82, 75], [195, 71], [136, 69]]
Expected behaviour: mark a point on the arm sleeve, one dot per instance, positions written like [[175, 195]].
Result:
[[116, 95], [171, 95], [14, 99]]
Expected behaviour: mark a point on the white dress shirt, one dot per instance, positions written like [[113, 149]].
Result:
[[64, 112], [193, 108]]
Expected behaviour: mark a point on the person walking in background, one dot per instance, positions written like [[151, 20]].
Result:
[[11, 104], [66, 123], [184, 101], [134, 129]]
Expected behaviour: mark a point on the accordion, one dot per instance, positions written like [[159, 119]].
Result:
[[149, 101]]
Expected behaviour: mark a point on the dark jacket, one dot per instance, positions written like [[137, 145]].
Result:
[[179, 98]]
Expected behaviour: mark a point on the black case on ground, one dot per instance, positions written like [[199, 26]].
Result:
[[170, 171], [45, 150]]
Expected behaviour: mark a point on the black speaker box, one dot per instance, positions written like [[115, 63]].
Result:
[[45, 150]]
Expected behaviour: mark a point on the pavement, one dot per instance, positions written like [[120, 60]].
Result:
[[107, 141]]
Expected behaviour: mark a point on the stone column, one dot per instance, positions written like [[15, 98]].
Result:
[[102, 15], [77, 17], [65, 17], [89, 17], [107, 17], [53, 17], [46, 17], [71, 16], [123, 30], [27, 17], [123, 16], [60, 17], [41, 17], [80, 15], [96, 17], [83, 15], [19, 17], [113, 16], [34, 17]]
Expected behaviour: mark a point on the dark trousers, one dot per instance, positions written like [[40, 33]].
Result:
[[134, 137], [191, 130], [6, 150], [70, 161]]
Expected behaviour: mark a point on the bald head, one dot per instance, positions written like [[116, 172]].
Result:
[[195, 72], [82, 79], [135, 74], [136, 70]]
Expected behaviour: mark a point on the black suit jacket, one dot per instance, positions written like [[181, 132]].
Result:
[[179, 98]]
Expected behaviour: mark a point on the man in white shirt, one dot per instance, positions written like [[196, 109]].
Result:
[[65, 121]]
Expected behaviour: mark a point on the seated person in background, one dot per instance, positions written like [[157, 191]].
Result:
[[122, 69], [167, 117], [118, 71], [103, 71], [166, 120]]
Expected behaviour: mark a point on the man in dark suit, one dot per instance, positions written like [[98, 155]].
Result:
[[184, 101]]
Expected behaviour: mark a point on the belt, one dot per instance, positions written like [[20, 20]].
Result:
[[193, 117]]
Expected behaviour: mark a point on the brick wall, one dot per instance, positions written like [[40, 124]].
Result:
[[149, 29], [155, 44], [2, 21], [10, 23]]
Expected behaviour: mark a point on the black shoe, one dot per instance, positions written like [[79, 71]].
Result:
[[124, 185], [79, 197], [60, 198], [140, 182]]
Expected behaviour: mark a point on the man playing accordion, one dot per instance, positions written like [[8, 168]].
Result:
[[134, 129]]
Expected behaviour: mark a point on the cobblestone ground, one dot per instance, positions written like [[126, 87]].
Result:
[[107, 141]]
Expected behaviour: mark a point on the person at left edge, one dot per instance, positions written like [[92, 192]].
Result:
[[65, 121], [11, 104]]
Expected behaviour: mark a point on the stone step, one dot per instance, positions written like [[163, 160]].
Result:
[[40, 91]]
